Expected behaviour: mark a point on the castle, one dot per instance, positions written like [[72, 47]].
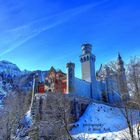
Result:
[[105, 85]]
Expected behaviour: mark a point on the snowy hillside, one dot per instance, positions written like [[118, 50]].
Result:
[[9, 68], [101, 121], [8, 74]]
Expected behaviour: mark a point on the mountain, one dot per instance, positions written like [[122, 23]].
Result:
[[10, 79], [9, 68]]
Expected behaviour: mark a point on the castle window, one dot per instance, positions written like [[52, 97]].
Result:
[[84, 59], [92, 58], [50, 90], [81, 60], [87, 58]]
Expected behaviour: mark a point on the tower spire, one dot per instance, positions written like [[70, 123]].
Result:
[[119, 56], [119, 60]]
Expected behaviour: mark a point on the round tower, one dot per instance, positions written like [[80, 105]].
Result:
[[70, 77]]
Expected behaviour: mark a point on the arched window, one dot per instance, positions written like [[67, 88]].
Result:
[[84, 59]]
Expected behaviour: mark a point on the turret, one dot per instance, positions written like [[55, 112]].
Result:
[[70, 77]]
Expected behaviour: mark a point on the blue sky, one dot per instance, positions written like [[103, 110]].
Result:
[[36, 34]]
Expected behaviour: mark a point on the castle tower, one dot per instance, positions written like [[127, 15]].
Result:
[[88, 67], [70, 77], [122, 84]]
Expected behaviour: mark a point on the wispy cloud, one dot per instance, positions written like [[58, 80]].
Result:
[[26, 32]]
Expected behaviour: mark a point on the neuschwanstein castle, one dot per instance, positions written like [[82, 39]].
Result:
[[105, 85]]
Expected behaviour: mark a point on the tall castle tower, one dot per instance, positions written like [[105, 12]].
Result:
[[70, 77], [88, 67], [121, 76]]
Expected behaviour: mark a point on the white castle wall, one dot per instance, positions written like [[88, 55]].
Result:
[[114, 98], [82, 88], [100, 88]]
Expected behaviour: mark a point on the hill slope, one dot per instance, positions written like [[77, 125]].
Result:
[[101, 121]]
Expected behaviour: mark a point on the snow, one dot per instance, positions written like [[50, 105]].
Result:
[[9, 68], [8, 71], [100, 121], [27, 120], [24, 126]]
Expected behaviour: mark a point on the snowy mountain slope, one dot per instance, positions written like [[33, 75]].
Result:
[[8, 74], [9, 68], [101, 121]]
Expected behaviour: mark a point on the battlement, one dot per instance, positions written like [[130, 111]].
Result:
[[86, 48]]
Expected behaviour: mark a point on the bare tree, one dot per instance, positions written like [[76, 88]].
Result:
[[60, 107], [130, 109], [131, 116], [13, 111], [52, 116], [133, 76], [113, 65]]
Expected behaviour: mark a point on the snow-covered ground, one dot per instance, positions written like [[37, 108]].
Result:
[[27, 120], [102, 121], [23, 128]]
